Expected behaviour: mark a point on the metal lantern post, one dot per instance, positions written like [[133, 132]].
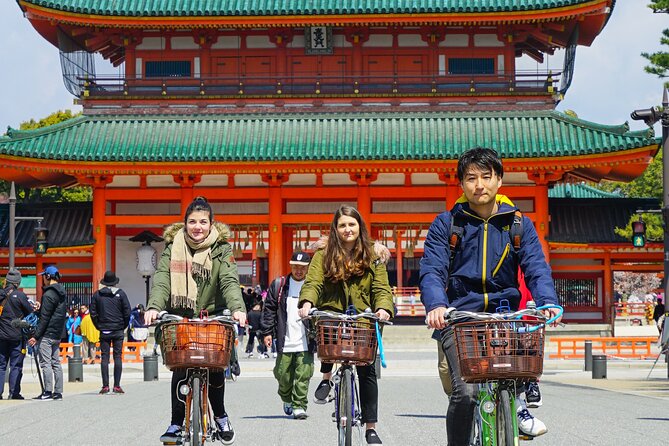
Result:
[[41, 232], [650, 116]]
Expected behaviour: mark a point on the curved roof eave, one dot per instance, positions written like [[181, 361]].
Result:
[[327, 12]]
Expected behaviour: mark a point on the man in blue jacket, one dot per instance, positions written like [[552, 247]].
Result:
[[483, 272]]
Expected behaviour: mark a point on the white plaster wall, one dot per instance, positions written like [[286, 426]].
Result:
[[389, 179], [379, 40], [152, 43], [259, 42], [337, 179], [487, 40], [125, 181], [455, 40], [301, 179], [339, 40], [410, 40], [408, 207], [426, 178], [184, 43], [227, 42], [297, 42]]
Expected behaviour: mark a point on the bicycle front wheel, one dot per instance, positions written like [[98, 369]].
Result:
[[196, 412], [505, 430], [346, 415]]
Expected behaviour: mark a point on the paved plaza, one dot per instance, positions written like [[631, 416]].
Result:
[[625, 408]]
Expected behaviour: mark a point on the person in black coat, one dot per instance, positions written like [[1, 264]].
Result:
[[110, 313], [14, 306], [49, 332]]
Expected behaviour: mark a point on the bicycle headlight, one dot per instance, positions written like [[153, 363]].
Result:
[[488, 407], [184, 389]]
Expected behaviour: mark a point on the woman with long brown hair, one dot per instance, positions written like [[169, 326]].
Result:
[[347, 273]]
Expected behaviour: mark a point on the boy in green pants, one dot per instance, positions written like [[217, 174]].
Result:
[[295, 361]]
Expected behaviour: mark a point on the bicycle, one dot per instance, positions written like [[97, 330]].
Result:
[[499, 352], [199, 345], [349, 341]]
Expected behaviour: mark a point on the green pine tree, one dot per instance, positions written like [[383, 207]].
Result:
[[54, 193]]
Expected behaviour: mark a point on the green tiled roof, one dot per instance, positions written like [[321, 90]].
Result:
[[179, 8], [320, 136], [579, 190]]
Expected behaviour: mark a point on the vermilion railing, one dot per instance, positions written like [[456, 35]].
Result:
[[320, 85]]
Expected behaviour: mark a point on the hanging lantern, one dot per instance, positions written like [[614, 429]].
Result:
[[147, 260]]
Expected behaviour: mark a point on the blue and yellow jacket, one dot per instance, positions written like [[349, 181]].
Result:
[[485, 268]]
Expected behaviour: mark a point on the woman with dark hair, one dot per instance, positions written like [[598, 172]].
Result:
[[197, 272], [347, 273]]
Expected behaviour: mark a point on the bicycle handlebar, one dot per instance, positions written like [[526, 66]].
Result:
[[315, 312], [452, 317], [164, 317]]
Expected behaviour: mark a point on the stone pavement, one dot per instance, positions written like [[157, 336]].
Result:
[[418, 360]]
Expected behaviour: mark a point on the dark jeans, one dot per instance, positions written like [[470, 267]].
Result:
[[116, 342], [369, 390], [11, 354], [463, 399], [261, 345], [216, 395]]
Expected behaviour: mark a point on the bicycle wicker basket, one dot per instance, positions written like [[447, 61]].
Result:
[[206, 344], [352, 342], [495, 349]]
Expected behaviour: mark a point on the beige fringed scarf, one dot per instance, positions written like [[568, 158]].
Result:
[[187, 270]]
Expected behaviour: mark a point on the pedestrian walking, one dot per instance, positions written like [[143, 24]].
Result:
[[294, 365], [110, 312], [255, 332], [49, 332], [89, 334], [14, 305], [197, 271], [73, 327]]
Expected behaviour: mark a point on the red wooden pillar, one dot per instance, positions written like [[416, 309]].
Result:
[[607, 298], [398, 258], [130, 60], [99, 230], [541, 216], [112, 241], [39, 267], [364, 200], [187, 193], [453, 189], [275, 225]]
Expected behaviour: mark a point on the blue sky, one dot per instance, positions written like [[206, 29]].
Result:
[[609, 81]]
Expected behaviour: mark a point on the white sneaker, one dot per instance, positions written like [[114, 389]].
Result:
[[299, 414], [274, 355], [529, 425]]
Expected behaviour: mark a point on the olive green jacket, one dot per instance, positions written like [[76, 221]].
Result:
[[371, 290], [220, 292]]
